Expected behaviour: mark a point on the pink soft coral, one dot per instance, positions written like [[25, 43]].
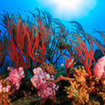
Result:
[[99, 69], [15, 76], [39, 81]]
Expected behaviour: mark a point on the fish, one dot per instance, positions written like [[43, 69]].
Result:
[[62, 64]]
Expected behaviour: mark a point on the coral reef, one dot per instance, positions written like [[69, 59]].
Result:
[[33, 43], [84, 85]]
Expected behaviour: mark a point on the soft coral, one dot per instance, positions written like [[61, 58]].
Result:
[[99, 69]]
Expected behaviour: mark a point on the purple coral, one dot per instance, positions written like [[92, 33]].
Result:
[[99, 69], [39, 81]]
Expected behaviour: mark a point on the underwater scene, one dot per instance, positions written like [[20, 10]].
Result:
[[52, 52]]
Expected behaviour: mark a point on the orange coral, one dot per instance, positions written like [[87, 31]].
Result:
[[49, 68], [79, 94], [4, 96], [80, 89], [103, 81], [80, 75]]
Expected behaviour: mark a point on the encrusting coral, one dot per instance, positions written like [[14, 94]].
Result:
[[102, 94]]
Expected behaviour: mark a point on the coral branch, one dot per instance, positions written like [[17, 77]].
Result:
[[61, 78], [85, 55], [69, 62]]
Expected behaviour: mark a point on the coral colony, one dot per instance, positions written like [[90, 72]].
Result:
[[39, 81], [99, 69], [42, 61], [12, 82], [15, 76]]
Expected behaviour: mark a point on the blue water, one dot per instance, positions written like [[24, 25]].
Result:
[[95, 18]]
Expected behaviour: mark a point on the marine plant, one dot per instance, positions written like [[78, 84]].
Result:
[[23, 39], [66, 50]]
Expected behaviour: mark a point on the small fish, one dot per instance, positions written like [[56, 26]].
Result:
[[62, 64]]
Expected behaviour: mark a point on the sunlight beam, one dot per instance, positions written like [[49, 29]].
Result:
[[68, 9]]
